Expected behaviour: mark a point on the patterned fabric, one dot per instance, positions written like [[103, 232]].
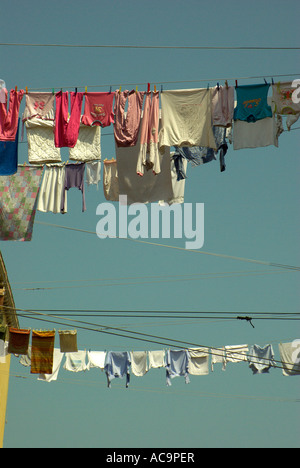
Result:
[[18, 194], [42, 350]]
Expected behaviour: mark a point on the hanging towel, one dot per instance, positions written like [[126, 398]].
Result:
[[18, 201], [67, 128], [261, 359], [68, 341], [9, 118], [117, 365], [198, 361], [93, 173], [40, 138], [139, 363], [39, 105], [88, 146], [156, 359], [96, 359], [98, 109], [75, 362], [74, 178], [42, 349], [51, 190], [217, 357], [290, 358], [186, 119], [236, 353], [57, 360], [222, 105], [18, 342], [126, 129], [177, 365], [148, 157], [110, 180], [252, 103], [9, 156]]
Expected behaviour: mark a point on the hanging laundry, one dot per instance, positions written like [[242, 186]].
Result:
[[284, 104], [198, 361], [110, 180], [2, 92], [9, 118], [96, 359], [68, 341], [179, 162], [57, 360], [222, 106], [148, 157], [252, 103], [51, 191], [88, 146], [3, 331], [39, 105], [25, 359], [42, 349], [18, 201], [18, 342], [98, 109], [218, 357], [9, 156], [67, 129], [290, 358], [3, 351], [93, 172], [261, 359], [177, 365], [139, 363], [126, 129], [117, 365], [186, 119], [40, 139], [178, 177], [256, 134], [76, 362], [236, 353], [74, 178], [198, 155], [156, 359]]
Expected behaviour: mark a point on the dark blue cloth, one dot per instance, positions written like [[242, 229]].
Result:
[[9, 156]]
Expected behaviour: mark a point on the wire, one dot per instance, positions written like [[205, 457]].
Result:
[[118, 46], [231, 257]]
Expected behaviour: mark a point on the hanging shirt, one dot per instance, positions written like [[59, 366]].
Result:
[[74, 178], [139, 363], [126, 129], [117, 365], [290, 358], [236, 353], [156, 359], [217, 357], [39, 105], [222, 106], [96, 359], [177, 365], [67, 128], [98, 109], [9, 156], [93, 172], [9, 118], [261, 359], [252, 103], [186, 119]]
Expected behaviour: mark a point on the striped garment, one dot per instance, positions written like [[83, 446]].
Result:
[[42, 350]]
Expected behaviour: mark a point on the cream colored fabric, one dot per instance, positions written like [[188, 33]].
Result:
[[255, 134], [186, 118], [110, 180], [198, 361], [40, 137], [51, 190], [156, 359], [88, 146], [139, 363], [39, 105]]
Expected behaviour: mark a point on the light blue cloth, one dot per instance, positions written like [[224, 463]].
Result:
[[252, 103], [261, 359], [117, 365], [177, 364]]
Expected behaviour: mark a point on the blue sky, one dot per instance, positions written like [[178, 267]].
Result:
[[251, 212]]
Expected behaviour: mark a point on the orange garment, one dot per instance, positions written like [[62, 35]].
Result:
[[42, 349], [18, 341]]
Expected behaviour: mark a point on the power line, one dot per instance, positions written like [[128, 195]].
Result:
[[122, 46]]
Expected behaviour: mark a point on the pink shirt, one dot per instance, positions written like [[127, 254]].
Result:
[[9, 118], [98, 109]]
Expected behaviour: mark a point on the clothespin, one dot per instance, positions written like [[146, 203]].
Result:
[[226, 84], [120, 89], [218, 86], [265, 81], [26, 90], [110, 90], [53, 91], [154, 88], [136, 89], [16, 89], [161, 88], [148, 90], [236, 83], [85, 91], [207, 86], [272, 81], [75, 90]]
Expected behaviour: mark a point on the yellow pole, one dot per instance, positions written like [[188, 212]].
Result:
[[4, 381]]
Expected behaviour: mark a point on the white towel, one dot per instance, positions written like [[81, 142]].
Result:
[[156, 359], [96, 359], [139, 364], [57, 359]]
